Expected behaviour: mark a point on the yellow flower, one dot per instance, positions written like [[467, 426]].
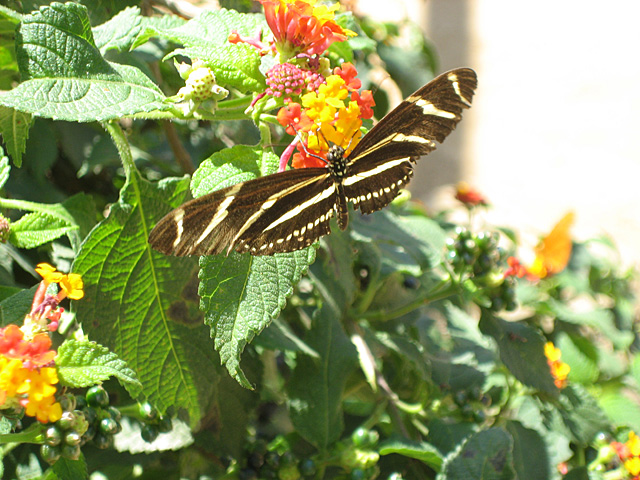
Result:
[[559, 369], [49, 273], [633, 465], [45, 410], [72, 285], [633, 444], [12, 375]]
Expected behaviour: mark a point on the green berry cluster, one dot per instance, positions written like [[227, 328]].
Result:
[[104, 420], [475, 254], [265, 464], [472, 404], [477, 257], [153, 424], [64, 438]]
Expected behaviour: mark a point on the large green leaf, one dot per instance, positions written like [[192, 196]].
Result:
[[142, 305], [486, 455], [242, 294], [317, 384], [522, 351], [66, 77]]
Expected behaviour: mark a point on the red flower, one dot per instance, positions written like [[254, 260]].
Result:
[[349, 74], [469, 196], [301, 27]]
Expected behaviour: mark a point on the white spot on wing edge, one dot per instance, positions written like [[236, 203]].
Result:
[[429, 108], [178, 217], [453, 78]]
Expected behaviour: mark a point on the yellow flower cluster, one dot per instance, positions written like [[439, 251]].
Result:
[[632, 463], [71, 284], [559, 369], [333, 121]]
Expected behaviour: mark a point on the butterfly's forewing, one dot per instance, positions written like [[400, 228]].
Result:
[[382, 162], [262, 216]]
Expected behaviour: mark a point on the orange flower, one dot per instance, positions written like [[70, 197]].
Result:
[[302, 27], [33, 353], [559, 369], [554, 250]]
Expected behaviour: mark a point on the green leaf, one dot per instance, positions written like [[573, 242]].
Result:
[[407, 241], [205, 38], [119, 32], [66, 76], [14, 128], [14, 308], [143, 305], [279, 336], [581, 355], [530, 457], [71, 469], [598, 318], [621, 407], [422, 451], [83, 363], [242, 294], [581, 414], [317, 384], [521, 350], [35, 229], [74, 218], [486, 455]]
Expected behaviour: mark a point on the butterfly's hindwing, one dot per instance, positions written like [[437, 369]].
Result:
[[290, 210]]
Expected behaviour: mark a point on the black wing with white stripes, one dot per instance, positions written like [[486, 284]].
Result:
[[290, 210]]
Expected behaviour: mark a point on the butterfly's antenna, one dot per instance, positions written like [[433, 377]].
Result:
[[304, 147]]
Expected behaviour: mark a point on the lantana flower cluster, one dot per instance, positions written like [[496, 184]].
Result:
[[321, 106], [331, 115], [629, 454], [27, 372]]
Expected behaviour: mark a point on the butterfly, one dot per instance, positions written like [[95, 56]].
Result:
[[290, 210]]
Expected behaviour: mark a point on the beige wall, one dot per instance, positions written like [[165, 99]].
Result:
[[556, 121]]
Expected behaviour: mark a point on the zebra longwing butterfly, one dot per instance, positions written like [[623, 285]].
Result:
[[290, 210]]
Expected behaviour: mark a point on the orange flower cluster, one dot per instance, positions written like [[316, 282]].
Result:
[[331, 115], [302, 27], [559, 369], [27, 377], [629, 454], [24, 379]]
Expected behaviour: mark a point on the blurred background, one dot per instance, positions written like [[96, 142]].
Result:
[[552, 127]]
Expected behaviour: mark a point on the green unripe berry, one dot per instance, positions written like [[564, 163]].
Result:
[[148, 412], [72, 438], [72, 452], [52, 436], [97, 396], [50, 454], [149, 432]]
